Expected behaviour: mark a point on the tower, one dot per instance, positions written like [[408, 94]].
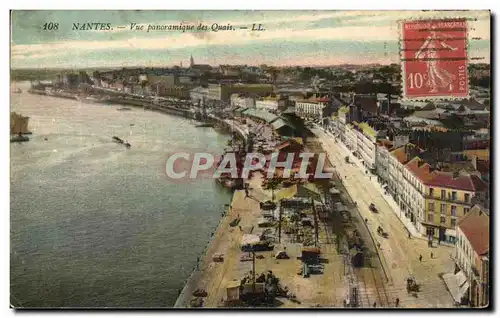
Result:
[[191, 61]]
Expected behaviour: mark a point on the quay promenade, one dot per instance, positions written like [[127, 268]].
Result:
[[211, 276]]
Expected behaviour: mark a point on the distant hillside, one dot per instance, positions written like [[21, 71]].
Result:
[[26, 74]]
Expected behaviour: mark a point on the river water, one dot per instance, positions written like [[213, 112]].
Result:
[[96, 225]]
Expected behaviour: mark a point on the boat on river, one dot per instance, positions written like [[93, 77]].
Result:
[[19, 138], [205, 125], [118, 140], [19, 127]]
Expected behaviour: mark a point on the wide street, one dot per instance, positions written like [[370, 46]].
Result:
[[399, 253]]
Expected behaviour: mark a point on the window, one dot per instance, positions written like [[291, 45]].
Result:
[[430, 217], [453, 223], [443, 208], [467, 197], [443, 194], [454, 195], [431, 206], [453, 210], [431, 192], [466, 210], [443, 219]]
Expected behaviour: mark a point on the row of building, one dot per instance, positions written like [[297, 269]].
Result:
[[444, 194], [432, 194]]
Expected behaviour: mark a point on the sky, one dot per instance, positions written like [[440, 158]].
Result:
[[307, 38]]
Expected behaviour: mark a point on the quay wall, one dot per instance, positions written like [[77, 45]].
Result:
[[193, 281]]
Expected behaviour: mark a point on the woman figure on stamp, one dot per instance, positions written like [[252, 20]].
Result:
[[437, 76]]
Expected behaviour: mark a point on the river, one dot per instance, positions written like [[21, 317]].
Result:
[[93, 224]]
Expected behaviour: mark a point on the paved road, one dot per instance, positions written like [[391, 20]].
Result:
[[399, 251]]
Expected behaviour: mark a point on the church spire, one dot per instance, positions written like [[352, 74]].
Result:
[[191, 61]]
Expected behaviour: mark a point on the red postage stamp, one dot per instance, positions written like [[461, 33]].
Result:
[[434, 59]]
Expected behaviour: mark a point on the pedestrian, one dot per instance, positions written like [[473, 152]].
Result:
[[432, 255], [246, 192], [397, 302], [420, 258], [374, 304], [409, 235]]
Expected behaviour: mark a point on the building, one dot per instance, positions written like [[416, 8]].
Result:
[[223, 92], [198, 95], [339, 127], [268, 104], [400, 184], [399, 156], [228, 70], [351, 138], [472, 254], [367, 138], [384, 146], [242, 101], [185, 80], [198, 67], [449, 196], [274, 103], [166, 80], [180, 92], [310, 108]]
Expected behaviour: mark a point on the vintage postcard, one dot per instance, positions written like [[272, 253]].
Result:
[[250, 159]]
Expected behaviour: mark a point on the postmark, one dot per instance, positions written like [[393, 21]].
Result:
[[434, 59]]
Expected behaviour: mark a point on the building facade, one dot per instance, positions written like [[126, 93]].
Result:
[[222, 92], [450, 196], [310, 109], [267, 104], [241, 101], [472, 254], [198, 95]]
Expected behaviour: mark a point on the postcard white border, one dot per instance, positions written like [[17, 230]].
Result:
[[194, 4]]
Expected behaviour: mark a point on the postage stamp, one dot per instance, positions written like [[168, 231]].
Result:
[[434, 59]]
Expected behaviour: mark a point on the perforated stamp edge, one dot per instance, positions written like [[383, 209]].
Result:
[[401, 57]]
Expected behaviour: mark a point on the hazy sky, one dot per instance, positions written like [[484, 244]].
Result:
[[290, 38]]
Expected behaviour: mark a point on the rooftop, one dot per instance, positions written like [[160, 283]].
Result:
[[385, 143], [279, 123], [401, 153], [367, 129], [476, 227], [266, 116], [469, 182], [343, 109]]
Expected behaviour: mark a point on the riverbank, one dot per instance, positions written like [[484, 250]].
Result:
[[103, 210], [213, 277], [147, 104]]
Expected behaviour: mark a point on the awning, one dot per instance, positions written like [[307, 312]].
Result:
[[260, 114], [450, 232], [457, 285], [280, 123]]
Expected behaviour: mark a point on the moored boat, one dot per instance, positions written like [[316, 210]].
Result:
[[19, 138], [118, 140]]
